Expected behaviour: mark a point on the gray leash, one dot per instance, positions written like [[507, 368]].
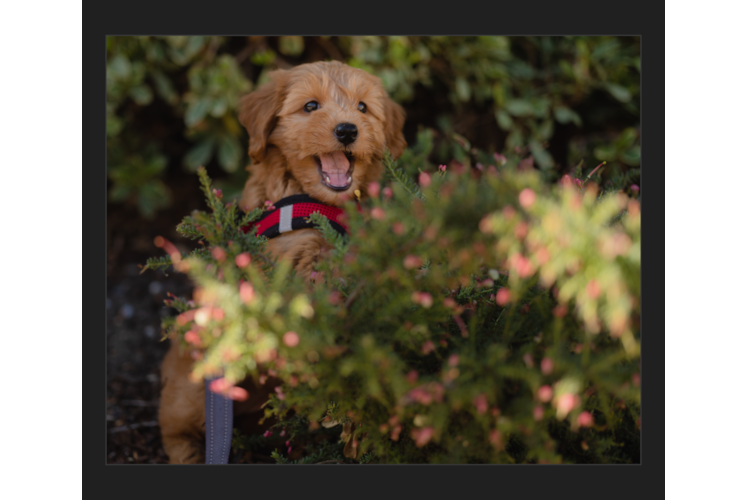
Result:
[[219, 425]]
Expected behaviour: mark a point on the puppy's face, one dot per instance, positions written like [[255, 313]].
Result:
[[330, 122]]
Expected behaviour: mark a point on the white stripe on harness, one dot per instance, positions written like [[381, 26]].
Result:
[[285, 219]]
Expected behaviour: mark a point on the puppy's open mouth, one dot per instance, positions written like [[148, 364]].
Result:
[[336, 170]]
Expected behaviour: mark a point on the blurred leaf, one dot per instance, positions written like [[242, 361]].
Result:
[[291, 45], [151, 197], [200, 154], [141, 94], [463, 89], [545, 131], [113, 125], [164, 87], [540, 107], [626, 138], [632, 156], [229, 153], [219, 108], [618, 91], [196, 110], [542, 157], [119, 67], [504, 120], [566, 115], [605, 153], [605, 49], [119, 193], [499, 94], [519, 107], [515, 139], [263, 58]]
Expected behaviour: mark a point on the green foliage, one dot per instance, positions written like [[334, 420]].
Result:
[[171, 101], [475, 317], [528, 83], [201, 89]]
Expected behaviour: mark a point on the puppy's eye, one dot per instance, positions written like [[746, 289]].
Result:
[[311, 106], [362, 107]]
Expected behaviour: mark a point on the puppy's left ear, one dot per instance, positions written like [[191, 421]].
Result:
[[393, 127], [258, 113]]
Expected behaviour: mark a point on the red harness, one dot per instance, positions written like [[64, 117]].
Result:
[[291, 213]]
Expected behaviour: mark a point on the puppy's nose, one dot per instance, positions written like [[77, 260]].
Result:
[[346, 132]]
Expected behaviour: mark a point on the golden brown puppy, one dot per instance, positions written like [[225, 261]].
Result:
[[318, 129]]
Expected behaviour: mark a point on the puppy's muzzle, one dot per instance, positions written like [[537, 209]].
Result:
[[346, 133]]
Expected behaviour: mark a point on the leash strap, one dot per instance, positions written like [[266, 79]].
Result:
[[291, 213], [219, 426]]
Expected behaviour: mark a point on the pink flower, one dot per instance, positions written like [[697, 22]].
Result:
[[560, 311], [585, 419], [537, 413], [387, 192], [242, 260], [193, 338], [527, 197], [527, 358], [593, 289], [424, 179], [395, 434], [238, 394], [220, 385], [218, 253], [454, 360], [291, 339], [566, 403], [442, 168], [281, 396], [335, 298], [546, 366], [412, 261], [218, 193], [545, 393], [481, 403], [635, 188], [422, 436], [377, 213], [246, 292], [267, 434], [428, 346], [500, 159], [502, 296], [508, 212], [423, 298], [373, 189], [495, 438], [421, 396]]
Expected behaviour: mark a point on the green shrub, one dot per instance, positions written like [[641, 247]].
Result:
[[171, 101], [471, 317]]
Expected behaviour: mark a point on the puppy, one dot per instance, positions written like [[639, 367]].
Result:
[[318, 129]]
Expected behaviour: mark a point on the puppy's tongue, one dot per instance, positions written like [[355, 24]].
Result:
[[335, 165]]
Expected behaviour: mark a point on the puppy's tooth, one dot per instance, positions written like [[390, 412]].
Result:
[[349, 178]]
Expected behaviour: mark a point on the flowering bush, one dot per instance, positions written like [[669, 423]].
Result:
[[474, 316]]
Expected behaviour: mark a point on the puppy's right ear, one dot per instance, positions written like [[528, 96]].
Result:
[[258, 112]]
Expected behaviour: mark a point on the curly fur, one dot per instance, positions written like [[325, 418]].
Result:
[[283, 140]]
